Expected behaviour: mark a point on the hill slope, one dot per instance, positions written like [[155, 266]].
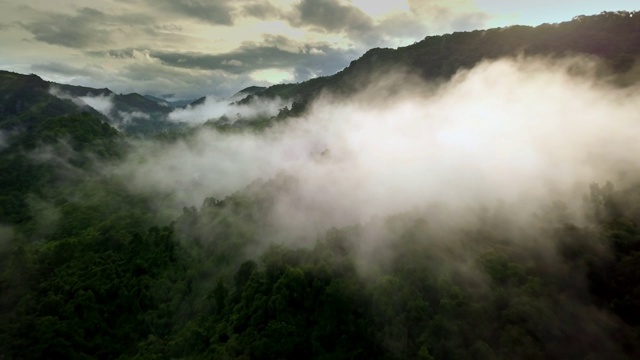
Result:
[[613, 37], [26, 97]]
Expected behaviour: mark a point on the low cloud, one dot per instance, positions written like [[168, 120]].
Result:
[[127, 117], [213, 108], [103, 107], [522, 132], [102, 103]]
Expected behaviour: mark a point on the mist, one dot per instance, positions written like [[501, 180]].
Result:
[[101, 103], [523, 132], [213, 108]]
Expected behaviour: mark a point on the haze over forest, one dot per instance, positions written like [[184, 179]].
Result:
[[470, 195]]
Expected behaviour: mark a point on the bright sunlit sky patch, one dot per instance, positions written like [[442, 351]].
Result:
[[187, 48]]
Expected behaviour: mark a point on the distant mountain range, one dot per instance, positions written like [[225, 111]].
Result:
[[168, 103], [24, 97]]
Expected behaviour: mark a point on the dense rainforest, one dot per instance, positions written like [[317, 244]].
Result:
[[90, 268]]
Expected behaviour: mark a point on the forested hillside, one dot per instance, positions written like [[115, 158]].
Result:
[[489, 217], [27, 98], [613, 37]]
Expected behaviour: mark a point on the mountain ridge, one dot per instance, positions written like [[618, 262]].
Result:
[[611, 37]]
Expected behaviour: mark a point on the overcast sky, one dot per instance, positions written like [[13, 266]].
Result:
[[189, 48]]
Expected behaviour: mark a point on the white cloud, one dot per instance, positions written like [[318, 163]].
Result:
[[214, 108], [128, 116], [102, 103], [519, 131]]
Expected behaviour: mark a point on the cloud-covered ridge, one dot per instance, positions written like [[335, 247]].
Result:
[[516, 131]]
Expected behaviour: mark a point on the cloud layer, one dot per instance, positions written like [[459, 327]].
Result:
[[214, 108], [521, 132]]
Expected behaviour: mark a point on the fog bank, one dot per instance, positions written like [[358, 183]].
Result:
[[522, 132]]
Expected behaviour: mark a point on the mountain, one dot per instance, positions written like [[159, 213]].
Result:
[[196, 102], [247, 92], [242, 95], [613, 37], [25, 97], [133, 113], [158, 100], [169, 103]]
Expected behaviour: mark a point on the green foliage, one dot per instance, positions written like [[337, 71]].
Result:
[[296, 303], [96, 295]]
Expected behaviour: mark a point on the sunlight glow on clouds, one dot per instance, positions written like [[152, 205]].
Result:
[[381, 7], [274, 76], [314, 37]]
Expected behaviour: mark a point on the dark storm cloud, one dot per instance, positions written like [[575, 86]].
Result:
[[212, 12]]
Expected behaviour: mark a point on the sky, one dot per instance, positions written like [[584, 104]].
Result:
[[184, 49]]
